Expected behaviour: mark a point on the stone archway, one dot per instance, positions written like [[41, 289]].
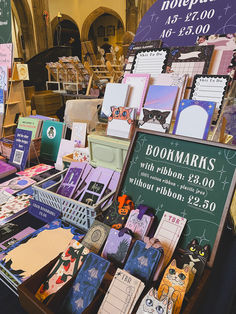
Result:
[[26, 26], [93, 16], [64, 17]]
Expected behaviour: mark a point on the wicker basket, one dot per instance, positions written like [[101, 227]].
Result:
[[7, 143], [79, 214]]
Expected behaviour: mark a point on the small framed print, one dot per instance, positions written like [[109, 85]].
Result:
[[110, 30]]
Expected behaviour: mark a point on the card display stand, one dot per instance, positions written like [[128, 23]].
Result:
[[108, 152], [16, 104]]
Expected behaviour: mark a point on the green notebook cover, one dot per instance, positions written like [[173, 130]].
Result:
[[52, 134], [29, 124]]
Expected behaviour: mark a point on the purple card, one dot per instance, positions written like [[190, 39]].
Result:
[[117, 246], [194, 118], [6, 169], [161, 97], [71, 179], [20, 149], [84, 179]]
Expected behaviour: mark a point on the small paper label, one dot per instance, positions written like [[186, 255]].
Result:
[[42, 211]]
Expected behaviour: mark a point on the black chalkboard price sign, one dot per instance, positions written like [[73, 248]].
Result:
[[191, 178]]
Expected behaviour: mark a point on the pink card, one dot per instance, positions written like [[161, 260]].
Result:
[[6, 55], [168, 233], [16, 184], [138, 86], [33, 171]]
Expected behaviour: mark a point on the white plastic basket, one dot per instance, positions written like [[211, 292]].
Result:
[[78, 214]]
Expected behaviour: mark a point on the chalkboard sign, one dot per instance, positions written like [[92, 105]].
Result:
[[191, 178], [5, 21], [180, 22]]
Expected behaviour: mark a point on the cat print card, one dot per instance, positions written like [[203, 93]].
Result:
[[35, 170], [211, 88], [86, 284], [195, 256], [97, 185], [128, 288], [173, 285], [189, 60], [71, 179], [78, 134], [139, 223], [20, 149], [27, 256], [155, 120], [116, 94], [117, 246], [143, 262], [150, 61], [194, 118], [121, 122], [138, 87], [168, 233], [14, 208], [150, 304], [6, 169], [67, 265], [96, 236], [16, 184]]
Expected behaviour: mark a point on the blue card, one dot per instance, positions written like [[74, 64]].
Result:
[[86, 284], [20, 149], [142, 263]]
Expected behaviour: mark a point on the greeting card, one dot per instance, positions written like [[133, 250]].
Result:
[[161, 97], [35, 170], [155, 120], [86, 284], [68, 263], [6, 169], [194, 118], [117, 246], [14, 207], [81, 154], [23, 72], [78, 135]]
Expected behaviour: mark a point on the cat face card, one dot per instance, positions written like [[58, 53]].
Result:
[[86, 284], [189, 60], [142, 262], [150, 304], [194, 118], [71, 179], [117, 246], [65, 268], [121, 122], [96, 236], [127, 287], [174, 284], [155, 120], [212, 88], [195, 256]]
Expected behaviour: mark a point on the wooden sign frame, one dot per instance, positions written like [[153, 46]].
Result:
[[189, 141]]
